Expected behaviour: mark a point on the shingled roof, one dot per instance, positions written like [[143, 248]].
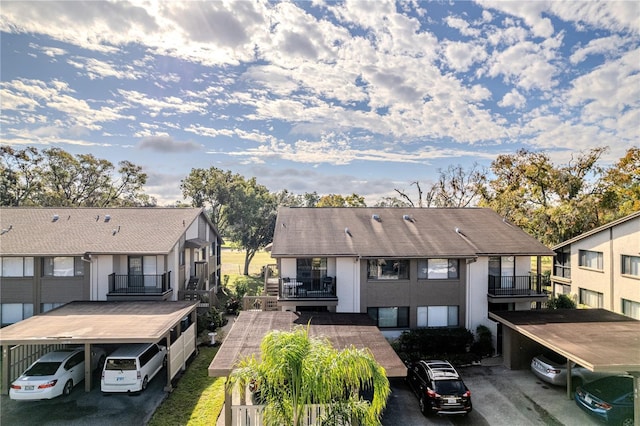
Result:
[[399, 232], [75, 231]]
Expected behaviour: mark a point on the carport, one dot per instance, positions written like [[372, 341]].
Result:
[[597, 339], [102, 323], [342, 330]]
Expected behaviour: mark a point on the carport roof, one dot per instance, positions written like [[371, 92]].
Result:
[[341, 329], [597, 339], [99, 322]]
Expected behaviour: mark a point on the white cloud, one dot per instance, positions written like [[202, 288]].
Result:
[[513, 99]]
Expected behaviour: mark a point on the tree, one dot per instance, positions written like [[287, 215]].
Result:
[[620, 186], [552, 203], [455, 187], [296, 370], [243, 210], [337, 200], [55, 177]]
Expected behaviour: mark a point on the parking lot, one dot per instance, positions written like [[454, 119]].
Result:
[[87, 409], [500, 397]]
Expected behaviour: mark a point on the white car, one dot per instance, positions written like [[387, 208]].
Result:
[[54, 374]]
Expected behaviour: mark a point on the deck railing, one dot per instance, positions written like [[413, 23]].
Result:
[[524, 285], [299, 289], [140, 284]]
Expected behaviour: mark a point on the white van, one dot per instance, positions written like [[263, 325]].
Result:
[[130, 367]]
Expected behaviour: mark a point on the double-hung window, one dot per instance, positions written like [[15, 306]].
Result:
[[591, 259], [388, 269], [438, 269], [61, 266], [393, 317], [17, 266], [438, 316], [631, 265], [591, 298]]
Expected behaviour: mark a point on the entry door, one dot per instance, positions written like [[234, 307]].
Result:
[[136, 277], [505, 268]]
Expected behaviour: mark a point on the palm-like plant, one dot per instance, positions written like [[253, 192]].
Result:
[[296, 370]]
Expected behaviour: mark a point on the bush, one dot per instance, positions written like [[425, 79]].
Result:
[[561, 302], [482, 346], [425, 343], [211, 320]]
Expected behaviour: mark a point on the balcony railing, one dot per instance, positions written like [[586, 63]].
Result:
[[205, 298], [307, 289], [526, 285], [139, 284]]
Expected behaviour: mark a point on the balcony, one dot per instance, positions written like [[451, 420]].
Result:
[[295, 289], [140, 287], [517, 289]]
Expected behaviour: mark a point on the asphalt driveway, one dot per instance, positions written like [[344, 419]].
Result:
[[82, 408], [500, 397]]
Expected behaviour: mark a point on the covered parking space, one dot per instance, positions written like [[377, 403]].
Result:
[[100, 323], [597, 339], [342, 330]]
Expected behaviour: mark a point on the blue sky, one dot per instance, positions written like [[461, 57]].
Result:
[[332, 97]]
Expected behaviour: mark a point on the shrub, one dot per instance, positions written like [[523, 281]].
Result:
[[561, 302], [482, 345], [424, 343]]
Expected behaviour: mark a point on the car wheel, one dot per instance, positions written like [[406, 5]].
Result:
[[423, 406], [145, 382], [627, 422], [68, 387]]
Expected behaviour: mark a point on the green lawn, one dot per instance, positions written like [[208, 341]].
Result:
[[197, 398]]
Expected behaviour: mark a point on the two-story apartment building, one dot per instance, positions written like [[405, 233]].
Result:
[[406, 267], [52, 256], [601, 268]]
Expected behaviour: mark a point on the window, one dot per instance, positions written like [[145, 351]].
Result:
[[631, 265], [438, 316], [388, 269], [593, 299], [17, 266], [562, 266], [390, 317], [591, 259], [438, 269], [11, 313], [311, 271], [631, 309], [62, 266]]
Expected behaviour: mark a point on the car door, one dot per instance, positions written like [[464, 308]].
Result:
[[75, 367], [418, 377]]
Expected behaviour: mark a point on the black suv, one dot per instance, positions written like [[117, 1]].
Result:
[[439, 388]]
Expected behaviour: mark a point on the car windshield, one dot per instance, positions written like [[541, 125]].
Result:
[[450, 387], [43, 369], [121, 364], [610, 388]]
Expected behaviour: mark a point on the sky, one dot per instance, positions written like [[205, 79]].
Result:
[[334, 97]]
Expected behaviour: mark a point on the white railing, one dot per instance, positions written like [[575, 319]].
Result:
[[251, 415]]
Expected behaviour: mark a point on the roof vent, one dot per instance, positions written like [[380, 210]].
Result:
[[97, 217], [376, 218], [107, 218], [55, 218], [346, 231], [407, 217]]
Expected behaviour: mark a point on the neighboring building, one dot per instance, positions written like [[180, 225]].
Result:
[[52, 256], [601, 268], [406, 267]]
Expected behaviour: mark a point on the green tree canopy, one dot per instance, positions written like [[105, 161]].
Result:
[[337, 200], [243, 210], [552, 203], [296, 370], [55, 177]]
